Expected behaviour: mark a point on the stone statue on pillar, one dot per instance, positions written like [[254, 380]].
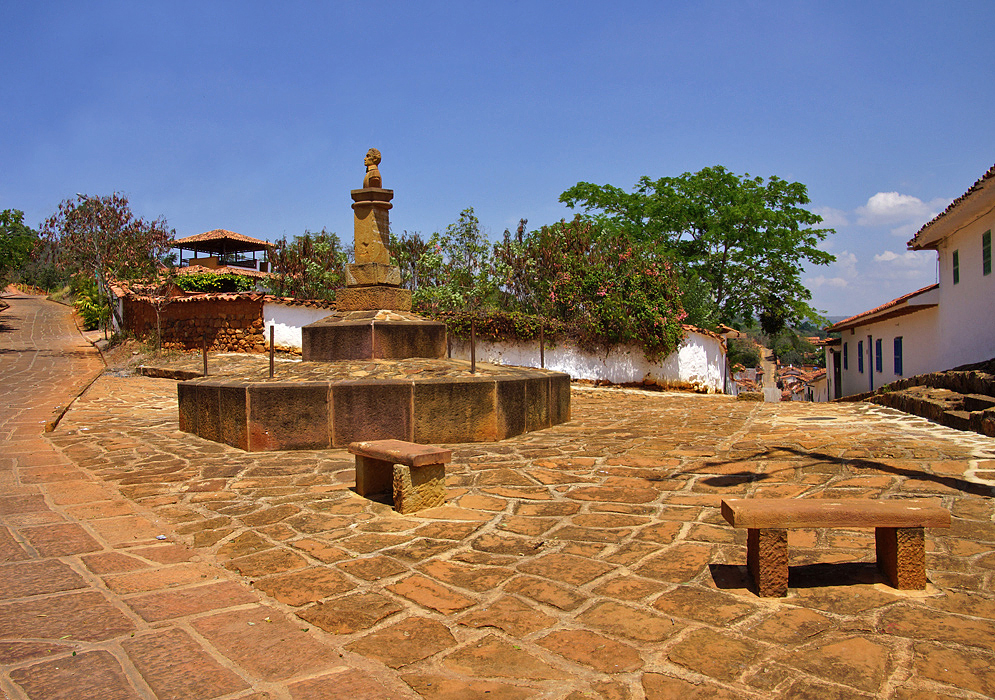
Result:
[[372, 282], [371, 161], [372, 318]]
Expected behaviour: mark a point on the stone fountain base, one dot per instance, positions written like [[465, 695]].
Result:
[[317, 405]]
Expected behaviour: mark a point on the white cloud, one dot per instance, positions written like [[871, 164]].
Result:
[[904, 212], [908, 258], [846, 264], [907, 231], [832, 218], [839, 275], [916, 268], [823, 281]]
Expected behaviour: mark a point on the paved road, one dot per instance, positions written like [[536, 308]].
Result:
[[583, 562], [88, 594]]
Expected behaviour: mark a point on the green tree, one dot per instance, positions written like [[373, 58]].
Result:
[[743, 351], [408, 253], [16, 243], [461, 263], [214, 282], [311, 266], [101, 237], [747, 239]]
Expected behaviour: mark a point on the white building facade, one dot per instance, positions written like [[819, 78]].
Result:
[[939, 327]]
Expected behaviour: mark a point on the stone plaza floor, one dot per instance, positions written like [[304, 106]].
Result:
[[585, 561]]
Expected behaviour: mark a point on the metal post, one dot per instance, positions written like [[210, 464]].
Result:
[[205, 354], [542, 345], [272, 361], [473, 346]]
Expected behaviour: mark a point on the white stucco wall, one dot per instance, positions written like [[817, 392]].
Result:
[[819, 389], [967, 321], [698, 363], [288, 321], [919, 335]]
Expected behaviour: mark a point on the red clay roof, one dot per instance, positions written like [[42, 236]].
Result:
[[245, 296], [974, 188], [220, 234], [894, 303]]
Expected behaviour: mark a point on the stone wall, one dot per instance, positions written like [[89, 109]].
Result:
[[230, 322]]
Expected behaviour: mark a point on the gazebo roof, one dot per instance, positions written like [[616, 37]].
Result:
[[221, 241]]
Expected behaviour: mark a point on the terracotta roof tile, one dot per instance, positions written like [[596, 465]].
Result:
[[244, 296], [219, 234], [847, 322], [974, 188]]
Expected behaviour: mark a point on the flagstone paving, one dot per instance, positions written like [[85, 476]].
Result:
[[584, 561]]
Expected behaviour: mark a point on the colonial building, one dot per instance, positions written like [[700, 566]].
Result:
[[938, 327]]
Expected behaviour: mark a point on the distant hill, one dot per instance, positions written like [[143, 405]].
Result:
[[830, 320]]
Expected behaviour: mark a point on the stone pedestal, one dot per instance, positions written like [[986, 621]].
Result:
[[373, 335], [373, 298], [370, 274], [372, 224]]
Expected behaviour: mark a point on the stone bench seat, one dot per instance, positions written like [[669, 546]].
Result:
[[898, 531], [414, 474]]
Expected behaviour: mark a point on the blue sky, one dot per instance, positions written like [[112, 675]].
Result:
[[255, 116]]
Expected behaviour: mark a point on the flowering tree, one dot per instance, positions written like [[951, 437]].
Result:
[[100, 237], [606, 287]]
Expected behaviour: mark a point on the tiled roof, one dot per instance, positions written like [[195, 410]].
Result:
[[953, 205], [245, 296], [219, 234], [702, 331], [894, 303]]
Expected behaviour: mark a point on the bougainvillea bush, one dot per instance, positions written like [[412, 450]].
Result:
[[574, 278]]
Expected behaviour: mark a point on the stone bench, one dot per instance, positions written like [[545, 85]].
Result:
[[898, 530], [414, 474]]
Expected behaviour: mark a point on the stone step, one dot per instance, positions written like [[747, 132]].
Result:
[[984, 422], [978, 402], [943, 407], [959, 420]]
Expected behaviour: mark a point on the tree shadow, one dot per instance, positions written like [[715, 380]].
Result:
[[950, 482], [7, 322], [735, 479]]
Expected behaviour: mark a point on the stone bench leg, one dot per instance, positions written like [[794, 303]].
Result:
[[416, 488], [373, 476], [901, 555], [767, 559]]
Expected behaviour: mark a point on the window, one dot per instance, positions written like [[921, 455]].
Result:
[[898, 356], [877, 356], [846, 357], [956, 266], [860, 356], [986, 253]]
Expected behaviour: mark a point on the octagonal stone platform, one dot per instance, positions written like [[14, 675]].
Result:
[[315, 405]]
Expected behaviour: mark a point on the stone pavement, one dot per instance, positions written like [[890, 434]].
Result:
[[92, 604], [584, 561]]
